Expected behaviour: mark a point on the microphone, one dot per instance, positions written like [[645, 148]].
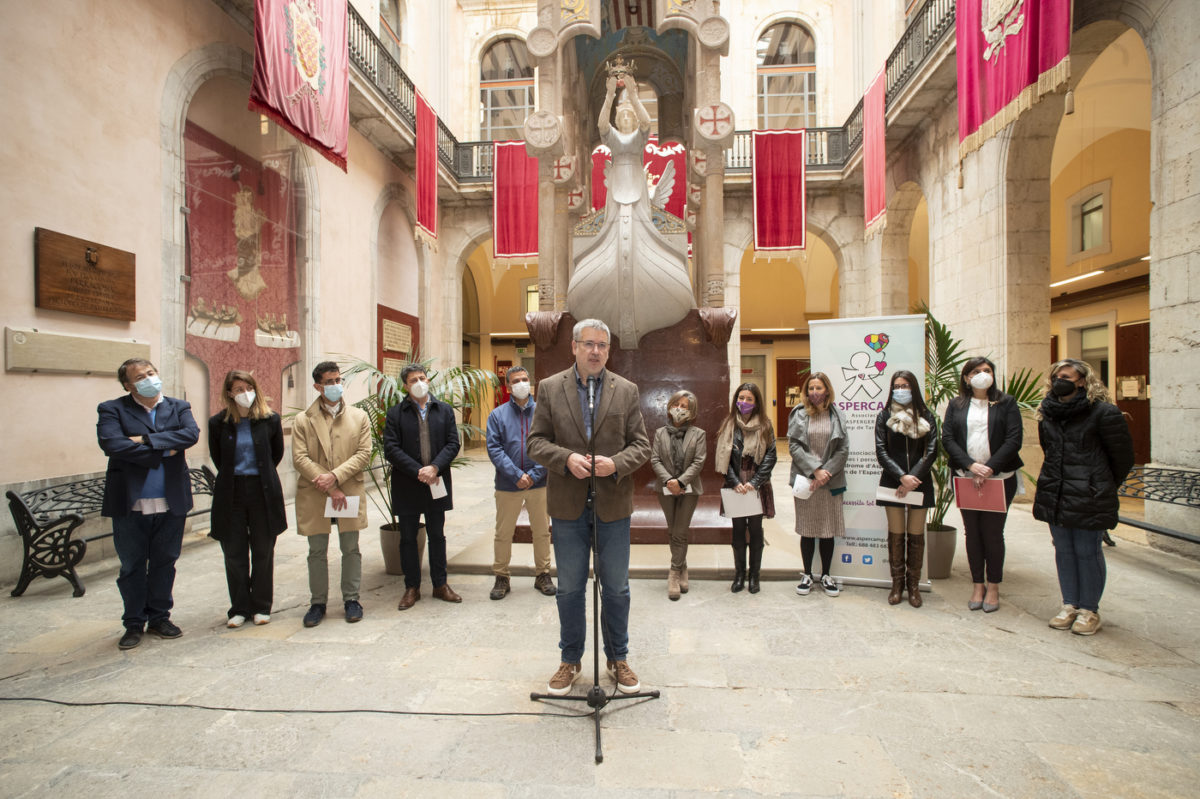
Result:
[[591, 394]]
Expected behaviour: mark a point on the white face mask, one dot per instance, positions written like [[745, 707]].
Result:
[[981, 381], [245, 399], [679, 415], [520, 390], [419, 389]]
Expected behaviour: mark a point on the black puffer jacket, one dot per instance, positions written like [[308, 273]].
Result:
[[1089, 452]]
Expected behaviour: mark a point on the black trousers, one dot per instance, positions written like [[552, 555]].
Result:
[[743, 527], [249, 548], [435, 545], [984, 531]]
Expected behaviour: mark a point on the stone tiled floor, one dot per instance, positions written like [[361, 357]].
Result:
[[772, 694]]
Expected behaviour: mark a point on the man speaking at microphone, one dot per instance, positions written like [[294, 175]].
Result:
[[562, 430]]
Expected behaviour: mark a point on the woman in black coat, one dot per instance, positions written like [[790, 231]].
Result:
[[906, 446], [982, 436], [1089, 452], [245, 442]]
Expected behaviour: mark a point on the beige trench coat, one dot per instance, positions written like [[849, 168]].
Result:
[[318, 447]]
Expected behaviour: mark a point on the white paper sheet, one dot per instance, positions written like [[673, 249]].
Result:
[[803, 487], [438, 489], [348, 512], [737, 505], [889, 495]]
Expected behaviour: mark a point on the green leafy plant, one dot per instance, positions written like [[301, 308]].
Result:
[[944, 358], [463, 388]]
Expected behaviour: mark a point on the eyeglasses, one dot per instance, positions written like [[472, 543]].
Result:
[[599, 346]]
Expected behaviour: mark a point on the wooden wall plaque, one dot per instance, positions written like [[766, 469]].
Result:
[[83, 277]]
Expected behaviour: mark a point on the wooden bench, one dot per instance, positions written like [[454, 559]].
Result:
[[1175, 486], [48, 517]]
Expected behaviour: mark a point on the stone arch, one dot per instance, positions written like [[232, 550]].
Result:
[[822, 34], [185, 78], [894, 248], [399, 195]]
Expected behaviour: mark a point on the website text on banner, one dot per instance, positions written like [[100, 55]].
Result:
[[860, 356]]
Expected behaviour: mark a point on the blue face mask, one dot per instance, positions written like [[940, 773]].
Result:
[[148, 387], [902, 396], [333, 392]]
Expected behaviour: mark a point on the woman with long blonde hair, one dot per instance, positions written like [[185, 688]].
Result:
[[745, 455], [1088, 454], [819, 448], [245, 441]]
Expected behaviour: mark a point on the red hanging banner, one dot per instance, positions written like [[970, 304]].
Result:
[[1009, 54], [514, 203], [875, 156], [302, 71], [780, 158], [426, 172]]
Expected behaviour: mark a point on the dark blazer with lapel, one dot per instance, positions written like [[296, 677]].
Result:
[[402, 448], [130, 461], [619, 433], [267, 435], [1005, 432]]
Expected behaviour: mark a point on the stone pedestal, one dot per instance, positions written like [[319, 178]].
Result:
[[684, 355]]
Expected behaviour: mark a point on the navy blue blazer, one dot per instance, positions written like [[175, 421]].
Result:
[[130, 461], [402, 448]]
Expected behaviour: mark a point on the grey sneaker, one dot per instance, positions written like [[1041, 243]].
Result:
[[560, 684]]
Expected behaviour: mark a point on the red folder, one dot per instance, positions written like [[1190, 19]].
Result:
[[989, 496]]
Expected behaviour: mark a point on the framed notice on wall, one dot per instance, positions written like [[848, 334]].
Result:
[[84, 277]]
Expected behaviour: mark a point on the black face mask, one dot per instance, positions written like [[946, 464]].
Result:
[[1061, 387]]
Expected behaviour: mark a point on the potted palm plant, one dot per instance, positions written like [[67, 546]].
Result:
[[460, 387], [944, 358]]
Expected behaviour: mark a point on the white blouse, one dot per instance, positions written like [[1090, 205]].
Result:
[[978, 446]]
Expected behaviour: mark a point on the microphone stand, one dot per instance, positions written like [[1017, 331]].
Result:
[[596, 698]]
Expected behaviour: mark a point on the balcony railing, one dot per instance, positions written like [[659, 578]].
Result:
[[828, 148]]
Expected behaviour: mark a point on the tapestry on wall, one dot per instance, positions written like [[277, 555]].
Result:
[[875, 156], [242, 305], [302, 71], [1009, 54], [426, 172], [779, 203], [514, 203]]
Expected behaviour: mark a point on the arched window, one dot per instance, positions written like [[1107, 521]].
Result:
[[787, 77], [391, 27], [505, 90]]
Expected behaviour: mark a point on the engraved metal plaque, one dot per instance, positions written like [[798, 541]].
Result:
[[83, 277]]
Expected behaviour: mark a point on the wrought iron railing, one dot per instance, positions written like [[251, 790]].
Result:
[[828, 148]]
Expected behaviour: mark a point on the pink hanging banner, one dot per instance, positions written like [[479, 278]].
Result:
[[780, 158], [1009, 53], [514, 203], [875, 156], [427, 158], [302, 71]]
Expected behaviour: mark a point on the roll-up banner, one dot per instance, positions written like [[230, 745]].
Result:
[[860, 356]]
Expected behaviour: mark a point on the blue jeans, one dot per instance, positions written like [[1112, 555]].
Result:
[[1081, 571], [147, 546], [572, 553]]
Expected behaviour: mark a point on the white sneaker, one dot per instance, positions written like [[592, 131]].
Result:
[[262, 618], [829, 586], [235, 621], [806, 584]]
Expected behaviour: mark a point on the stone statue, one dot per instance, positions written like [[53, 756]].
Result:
[[629, 274]]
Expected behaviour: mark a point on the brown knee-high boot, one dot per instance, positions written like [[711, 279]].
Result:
[[895, 543], [916, 559]]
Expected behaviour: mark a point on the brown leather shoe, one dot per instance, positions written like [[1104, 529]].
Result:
[[445, 593], [544, 584], [411, 595]]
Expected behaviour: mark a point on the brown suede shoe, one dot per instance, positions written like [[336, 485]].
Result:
[[445, 593], [411, 595]]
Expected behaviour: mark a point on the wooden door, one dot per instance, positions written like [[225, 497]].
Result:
[[1133, 360], [789, 375]]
